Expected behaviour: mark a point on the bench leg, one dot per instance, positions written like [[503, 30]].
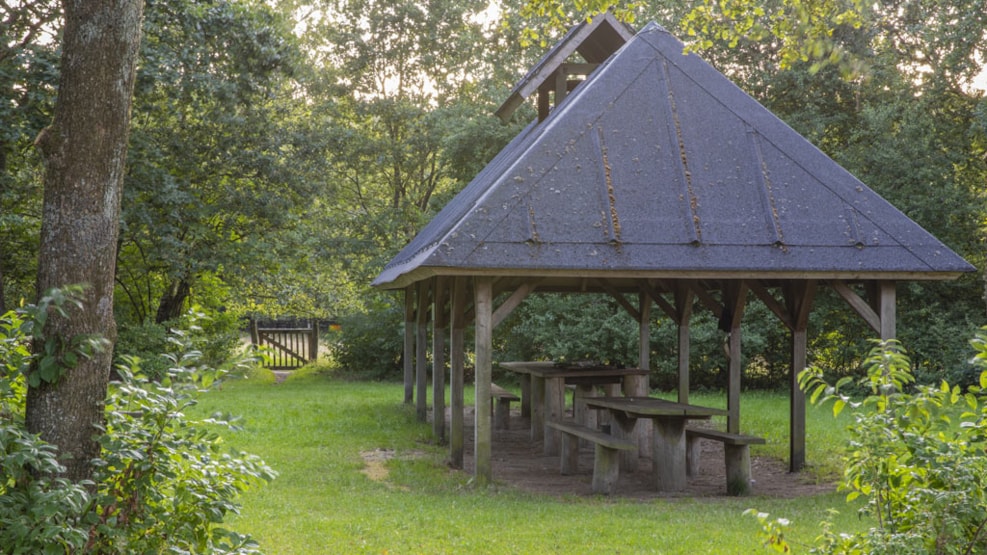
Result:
[[537, 409], [738, 462], [668, 461], [581, 412], [624, 428], [606, 470], [554, 410], [692, 455], [570, 454], [502, 414], [526, 395]]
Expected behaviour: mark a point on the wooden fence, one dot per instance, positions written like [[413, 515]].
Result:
[[287, 347]]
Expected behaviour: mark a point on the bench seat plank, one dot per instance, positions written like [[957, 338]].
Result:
[[724, 437], [595, 436], [606, 467]]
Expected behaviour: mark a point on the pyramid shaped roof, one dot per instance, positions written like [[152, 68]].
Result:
[[659, 166]]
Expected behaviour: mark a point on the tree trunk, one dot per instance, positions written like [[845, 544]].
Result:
[[172, 302], [84, 151]]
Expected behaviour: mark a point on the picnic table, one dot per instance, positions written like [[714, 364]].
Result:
[[543, 393], [669, 418]]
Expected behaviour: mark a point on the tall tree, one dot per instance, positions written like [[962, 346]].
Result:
[[84, 150], [214, 74]]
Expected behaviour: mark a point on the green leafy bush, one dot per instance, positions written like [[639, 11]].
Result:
[[39, 512], [570, 328], [370, 344], [917, 456], [146, 342], [164, 482], [214, 335]]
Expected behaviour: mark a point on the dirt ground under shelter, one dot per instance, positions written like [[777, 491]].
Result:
[[518, 462]]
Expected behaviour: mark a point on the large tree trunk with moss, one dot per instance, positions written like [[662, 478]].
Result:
[[85, 151]]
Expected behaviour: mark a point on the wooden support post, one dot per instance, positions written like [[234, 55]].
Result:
[[483, 433], [457, 363], [886, 308], [734, 300], [644, 333], [439, 322], [421, 341], [640, 386], [798, 301], [683, 315], [796, 418], [735, 375], [409, 344]]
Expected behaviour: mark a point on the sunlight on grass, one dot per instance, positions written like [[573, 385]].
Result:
[[315, 431]]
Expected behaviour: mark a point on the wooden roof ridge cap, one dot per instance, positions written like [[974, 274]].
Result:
[[556, 56]]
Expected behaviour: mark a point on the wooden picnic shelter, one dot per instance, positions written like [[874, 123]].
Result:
[[651, 177]]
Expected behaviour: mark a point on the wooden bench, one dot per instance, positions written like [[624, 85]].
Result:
[[606, 467], [502, 407], [736, 453]]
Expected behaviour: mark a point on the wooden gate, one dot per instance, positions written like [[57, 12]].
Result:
[[289, 344]]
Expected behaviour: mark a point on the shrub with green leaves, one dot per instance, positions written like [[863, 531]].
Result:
[[164, 482], [917, 456], [371, 344]]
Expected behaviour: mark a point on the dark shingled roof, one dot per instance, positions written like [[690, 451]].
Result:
[[658, 165]]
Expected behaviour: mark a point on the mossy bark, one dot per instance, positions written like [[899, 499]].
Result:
[[84, 151]]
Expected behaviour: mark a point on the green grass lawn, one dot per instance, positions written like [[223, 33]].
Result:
[[312, 429]]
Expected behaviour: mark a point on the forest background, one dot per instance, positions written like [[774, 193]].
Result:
[[282, 152]]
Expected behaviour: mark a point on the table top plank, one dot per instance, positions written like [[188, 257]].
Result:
[[552, 370], [646, 407]]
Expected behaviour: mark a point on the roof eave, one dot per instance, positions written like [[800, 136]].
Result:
[[422, 273]]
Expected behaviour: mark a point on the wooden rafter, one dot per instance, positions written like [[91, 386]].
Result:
[[858, 304], [621, 300], [777, 308], [512, 302], [664, 305]]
